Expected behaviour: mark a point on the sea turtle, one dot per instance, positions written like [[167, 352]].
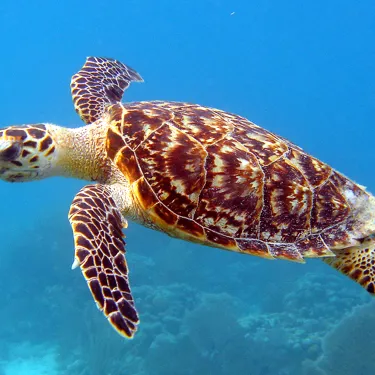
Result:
[[192, 172]]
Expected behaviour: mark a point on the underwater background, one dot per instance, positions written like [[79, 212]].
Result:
[[302, 69]]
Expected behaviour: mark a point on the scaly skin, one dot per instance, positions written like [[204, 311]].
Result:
[[81, 152], [92, 153], [45, 150], [196, 173], [33, 152]]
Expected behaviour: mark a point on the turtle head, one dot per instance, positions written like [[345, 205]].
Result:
[[27, 153]]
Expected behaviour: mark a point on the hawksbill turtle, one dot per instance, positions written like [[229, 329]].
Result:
[[196, 173]]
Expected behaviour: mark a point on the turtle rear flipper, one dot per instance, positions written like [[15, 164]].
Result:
[[99, 250], [357, 262], [99, 83]]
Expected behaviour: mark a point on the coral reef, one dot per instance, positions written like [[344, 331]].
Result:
[[347, 347], [202, 312]]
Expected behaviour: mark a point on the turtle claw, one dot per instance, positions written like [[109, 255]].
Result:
[[125, 223], [75, 263]]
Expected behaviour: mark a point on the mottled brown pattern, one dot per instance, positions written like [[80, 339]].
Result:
[[358, 263], [101, 257], [312, 246], [344, 183], [31, 144], [287, 203], [115, 142], [195, 173], [139, 125], [145, 195], [190, 226], [116, 113], [12, 152], [16, 133], [166, 158], [285, 251], [254, 247], [201, 123], [264, 145], [36, 133], [232, 199], [328, 212], [168, 217], [339, 234], [35, 138], [314, 170], [218, 238], [216, 178], [127, 162], [99, 83]]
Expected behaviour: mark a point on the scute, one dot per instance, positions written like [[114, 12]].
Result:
[[216, 178], [198, 122], [314, 170], [231, 202], [287, 203], [328, 212], [264, 145], [166, 158]]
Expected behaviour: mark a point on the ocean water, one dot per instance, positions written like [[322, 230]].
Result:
[[302, 69]]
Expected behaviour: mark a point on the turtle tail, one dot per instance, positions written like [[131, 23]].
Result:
[[357, 262]]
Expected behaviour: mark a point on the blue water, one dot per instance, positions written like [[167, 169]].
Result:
[[303, 69]]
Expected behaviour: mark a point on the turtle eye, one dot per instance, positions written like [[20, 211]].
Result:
[[10, 150]]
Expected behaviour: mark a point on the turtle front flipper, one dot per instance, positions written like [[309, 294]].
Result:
[[100, 252], [99, 83]]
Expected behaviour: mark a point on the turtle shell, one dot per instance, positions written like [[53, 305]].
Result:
[[215, 178]]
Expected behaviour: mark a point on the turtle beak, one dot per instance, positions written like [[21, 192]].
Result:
[[10, 149]]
